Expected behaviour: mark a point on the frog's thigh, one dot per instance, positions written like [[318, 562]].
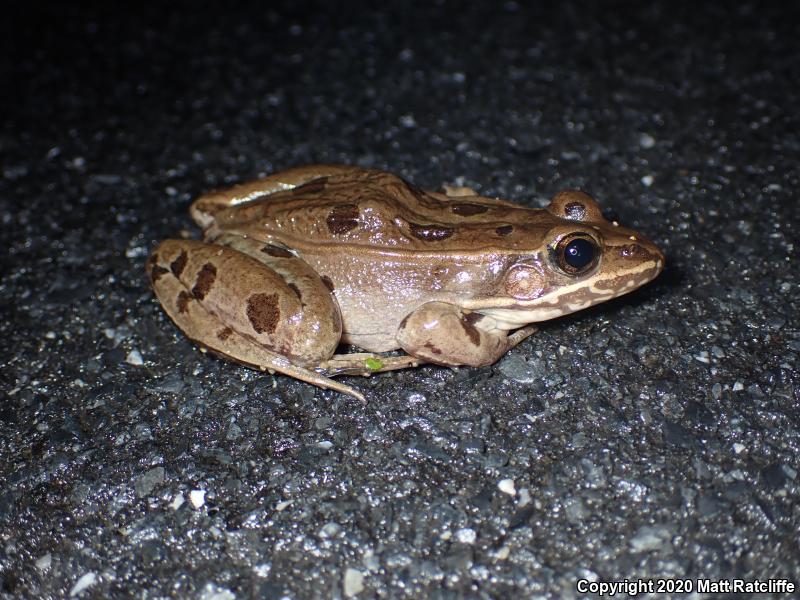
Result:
[[441, 333], [239, 294]]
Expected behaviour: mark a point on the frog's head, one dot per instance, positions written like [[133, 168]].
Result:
[[582, 259]]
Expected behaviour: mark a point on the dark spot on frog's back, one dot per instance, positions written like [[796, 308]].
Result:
[[504, 230], [224, 334], [205, 280], [342, 218], [263, 312], [468, 209], [314, 186], [179, 264], [276, 251], [430, 233]]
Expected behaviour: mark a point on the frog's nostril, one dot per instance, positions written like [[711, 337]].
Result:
[[633, 251]]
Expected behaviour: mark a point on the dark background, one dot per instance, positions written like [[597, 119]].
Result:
[[655, 436]]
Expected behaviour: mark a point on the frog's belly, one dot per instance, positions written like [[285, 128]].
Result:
[[374, 331], [373, 299], [370, 321]]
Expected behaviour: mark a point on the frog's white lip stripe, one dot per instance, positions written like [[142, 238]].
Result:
[[568, 299]]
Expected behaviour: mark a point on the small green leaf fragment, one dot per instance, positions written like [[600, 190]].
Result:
[[374, 364]]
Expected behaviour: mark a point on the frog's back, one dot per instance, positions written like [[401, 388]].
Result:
[[379, 210]]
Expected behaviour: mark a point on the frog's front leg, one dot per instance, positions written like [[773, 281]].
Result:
[[272, 312], [444, 334]]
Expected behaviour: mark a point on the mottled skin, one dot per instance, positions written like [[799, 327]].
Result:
[[300, 261]]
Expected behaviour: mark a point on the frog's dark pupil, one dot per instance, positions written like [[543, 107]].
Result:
[[578, 253]]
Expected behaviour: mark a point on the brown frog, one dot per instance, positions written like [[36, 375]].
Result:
[[296, 263]]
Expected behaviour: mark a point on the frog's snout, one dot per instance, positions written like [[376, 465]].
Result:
[[640, 256]]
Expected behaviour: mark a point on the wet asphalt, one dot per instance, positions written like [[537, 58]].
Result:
[[654, 437]]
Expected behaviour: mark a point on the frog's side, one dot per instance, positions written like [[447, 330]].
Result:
[[297, 262]]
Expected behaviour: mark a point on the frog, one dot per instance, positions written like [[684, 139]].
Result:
[[294, 265]]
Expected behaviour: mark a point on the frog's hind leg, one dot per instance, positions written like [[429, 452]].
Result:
[[204, 208], [240, 308]]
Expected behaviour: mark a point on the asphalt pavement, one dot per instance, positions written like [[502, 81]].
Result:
[[654, 437]]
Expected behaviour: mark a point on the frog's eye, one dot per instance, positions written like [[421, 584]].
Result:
[[576, 254]]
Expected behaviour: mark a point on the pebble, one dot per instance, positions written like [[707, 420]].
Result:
[[507, 487], [353, 582], [197, 498], [466, 535], [212, 591], [134, 358], [85, 581], [646, 140], [43, 562], [650, 537], [146, 483], [516, 368]]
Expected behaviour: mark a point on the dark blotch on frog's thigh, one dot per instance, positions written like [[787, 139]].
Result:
[[575, 211], [433, 348], [342, 218], [472, 318], [205, 279], [224, 334], [179, 264], [183, 300], [263, 312], [156, 271], [327, 281], [276, 251], [471, 331], [504, 230], [430, 233], [468, 209]]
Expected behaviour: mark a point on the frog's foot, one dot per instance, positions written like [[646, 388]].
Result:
[[444, 334], [366, 364], [520, 335], [204, 208], [246, 353]]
